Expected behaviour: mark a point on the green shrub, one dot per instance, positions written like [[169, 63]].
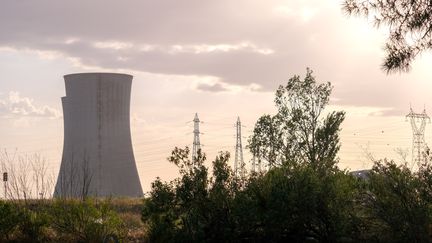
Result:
[[32, 225], [9, 219], [87, 221], [399, 203]]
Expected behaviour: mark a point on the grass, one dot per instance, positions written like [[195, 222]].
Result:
[[128, 211]]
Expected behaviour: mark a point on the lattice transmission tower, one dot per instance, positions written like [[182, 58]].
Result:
[[420, 149], [196, 141], [239, 165]]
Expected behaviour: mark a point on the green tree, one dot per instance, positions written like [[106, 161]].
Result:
[[298, 132], [410, 26], [159, 212], [398, 203], [296, 204], [266, 142], [194, 207]]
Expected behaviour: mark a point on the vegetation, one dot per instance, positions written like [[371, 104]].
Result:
[[298, 132], [71, 220], [302, 197], [86, 221], [409, 22]]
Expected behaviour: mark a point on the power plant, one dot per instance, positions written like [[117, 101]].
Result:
[[98, 158]]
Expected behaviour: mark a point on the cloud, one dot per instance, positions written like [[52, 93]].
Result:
[[245, 43], [13, 105], [175, 38], [111, 45], [216, 87]]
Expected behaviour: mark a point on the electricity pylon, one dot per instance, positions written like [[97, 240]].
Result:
[[419, 148], [196, 141], [239, 165]]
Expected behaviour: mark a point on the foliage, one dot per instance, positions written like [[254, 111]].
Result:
[[9, 219], [266, 142], [193, 207], [296, 203], [399, 203], [409, 22], [299, 204], [33, 225], [17, 221], [86, 221], [303, 196], [298, 133]]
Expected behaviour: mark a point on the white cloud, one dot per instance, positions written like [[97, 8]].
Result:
[[206, 48], [216, 85], [14, 105], [69, 41], [180, 48], [115, 45]]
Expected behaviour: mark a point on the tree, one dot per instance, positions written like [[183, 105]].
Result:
[[194, 207], [28, 175], [398, 203], [297, 204], [266, 142], [298, 132], [410, 26]]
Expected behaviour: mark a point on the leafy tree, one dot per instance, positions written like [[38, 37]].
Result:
[[410, 26], [298, 203], [194, 207], [298, 132], [398, 203], [266, 142], [159, 212]]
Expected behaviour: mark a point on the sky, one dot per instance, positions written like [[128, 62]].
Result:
[[221, 59]]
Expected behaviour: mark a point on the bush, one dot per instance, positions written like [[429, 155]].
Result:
[[9, 219], [32, 225], [87, 221], [289, 203], [399, 203], [297, 204]]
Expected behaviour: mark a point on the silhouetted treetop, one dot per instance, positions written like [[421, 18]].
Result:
[[410, 26], [299, 132]]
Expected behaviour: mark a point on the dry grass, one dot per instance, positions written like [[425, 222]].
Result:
[[129, 210]]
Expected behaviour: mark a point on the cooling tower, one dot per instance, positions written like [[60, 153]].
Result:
[[98, 158]]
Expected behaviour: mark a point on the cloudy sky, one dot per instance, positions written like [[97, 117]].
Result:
[[222, 59]]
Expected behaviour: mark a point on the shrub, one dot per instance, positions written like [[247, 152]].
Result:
[[9, 219], [88, 220], [399, 203], [32, 225]]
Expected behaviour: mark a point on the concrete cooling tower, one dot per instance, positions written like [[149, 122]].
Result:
[[98, 158]]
